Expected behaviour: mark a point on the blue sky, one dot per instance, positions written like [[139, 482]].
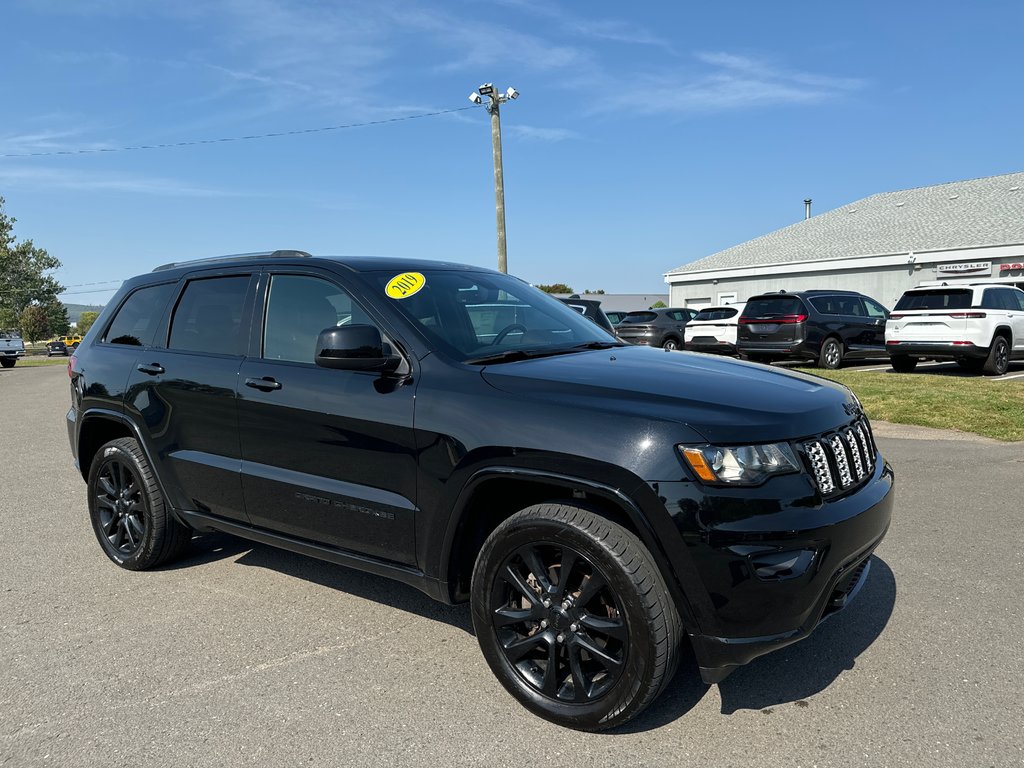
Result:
[[647, 134]]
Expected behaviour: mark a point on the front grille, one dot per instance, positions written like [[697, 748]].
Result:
[[842, 459]]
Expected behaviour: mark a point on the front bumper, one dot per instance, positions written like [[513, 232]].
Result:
[[774, 561], [935, 349]]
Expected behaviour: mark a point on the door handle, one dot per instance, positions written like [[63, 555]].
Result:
[[266, 384], [153, 369]]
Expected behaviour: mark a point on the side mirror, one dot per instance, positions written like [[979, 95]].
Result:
[[354, 348]]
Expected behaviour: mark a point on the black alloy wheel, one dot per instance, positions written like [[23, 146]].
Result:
[[998, 361], [120, 507], [573, 616], [129, 517], [558, 622]]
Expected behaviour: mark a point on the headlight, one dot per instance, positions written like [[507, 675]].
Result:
[[740, 465]]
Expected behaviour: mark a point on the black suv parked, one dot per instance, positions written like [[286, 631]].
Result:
[[598, 504], [823, 326], [656, 327]]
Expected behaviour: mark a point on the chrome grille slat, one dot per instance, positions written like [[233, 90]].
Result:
[[858, 462], [842, 463], [820, 467]]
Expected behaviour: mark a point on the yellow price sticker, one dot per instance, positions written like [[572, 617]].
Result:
[[405, 285]]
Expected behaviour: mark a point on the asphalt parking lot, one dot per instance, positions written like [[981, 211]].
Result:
[[246, 655]]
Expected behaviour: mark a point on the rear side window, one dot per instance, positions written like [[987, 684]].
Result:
[[774, 306], [939, 299], [999, 298], [208, 317], [838, 305], [136, 321], [1019, 295]]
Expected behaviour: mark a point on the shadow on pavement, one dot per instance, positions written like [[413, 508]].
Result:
[[811, 665], [791, 674], [379, 589]]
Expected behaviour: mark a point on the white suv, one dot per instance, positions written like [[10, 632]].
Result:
[[980, 326], [713, 329]]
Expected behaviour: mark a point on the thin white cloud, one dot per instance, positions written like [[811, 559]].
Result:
[[67, 180], [727, 82], [531, 132]]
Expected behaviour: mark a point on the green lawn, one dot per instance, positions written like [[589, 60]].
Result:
[[32, 361], [976, 404]]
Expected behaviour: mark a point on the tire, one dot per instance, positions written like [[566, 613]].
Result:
[[129, 515], [8, 362], [974, 364], [998, 360], [610, 626], [671, 344], [903, 363], [831, 354]]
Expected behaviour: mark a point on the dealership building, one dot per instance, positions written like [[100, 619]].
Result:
[[961, 232]]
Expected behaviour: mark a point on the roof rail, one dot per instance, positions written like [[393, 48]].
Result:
[[280, 254]]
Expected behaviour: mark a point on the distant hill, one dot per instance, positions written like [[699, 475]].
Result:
[[75, 310]]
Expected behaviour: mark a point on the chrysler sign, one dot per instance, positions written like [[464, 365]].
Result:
[[966, 268]]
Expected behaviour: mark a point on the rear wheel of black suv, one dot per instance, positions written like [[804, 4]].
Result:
[[671, 343], [129, 517], [573, 616], [831, 355]]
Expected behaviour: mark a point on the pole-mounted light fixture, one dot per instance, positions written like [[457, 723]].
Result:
[[494, 102]]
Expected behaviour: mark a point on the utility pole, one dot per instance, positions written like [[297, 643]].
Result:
[[494, 102]]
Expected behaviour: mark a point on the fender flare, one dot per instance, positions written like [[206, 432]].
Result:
[[640, 521]]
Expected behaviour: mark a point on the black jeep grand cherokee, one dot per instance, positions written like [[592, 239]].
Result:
[[460, 431]]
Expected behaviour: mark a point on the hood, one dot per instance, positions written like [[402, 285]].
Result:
[[725, 400]]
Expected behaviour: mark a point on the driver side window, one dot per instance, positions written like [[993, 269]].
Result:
[[299, 307]]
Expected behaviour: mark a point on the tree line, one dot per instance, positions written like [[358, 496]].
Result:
[[28, 292]]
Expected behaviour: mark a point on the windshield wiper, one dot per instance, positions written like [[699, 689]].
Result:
[[599, 345], [511, 355]]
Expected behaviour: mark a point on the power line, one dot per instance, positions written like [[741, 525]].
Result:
[[226, 139]]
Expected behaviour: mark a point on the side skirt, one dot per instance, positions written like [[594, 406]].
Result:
[[403, 573]]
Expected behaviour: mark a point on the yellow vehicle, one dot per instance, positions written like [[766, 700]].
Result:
[[71, 341]]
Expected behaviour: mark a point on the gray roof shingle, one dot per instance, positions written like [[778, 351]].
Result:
[[960, 214]]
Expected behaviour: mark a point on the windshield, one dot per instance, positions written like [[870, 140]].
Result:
[[476, 315]]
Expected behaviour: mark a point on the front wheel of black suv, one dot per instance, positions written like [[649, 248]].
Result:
[[998, 360], [129, 516], [574, 617], [903, 363]]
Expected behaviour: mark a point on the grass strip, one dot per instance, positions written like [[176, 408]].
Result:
[[976, 404]]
